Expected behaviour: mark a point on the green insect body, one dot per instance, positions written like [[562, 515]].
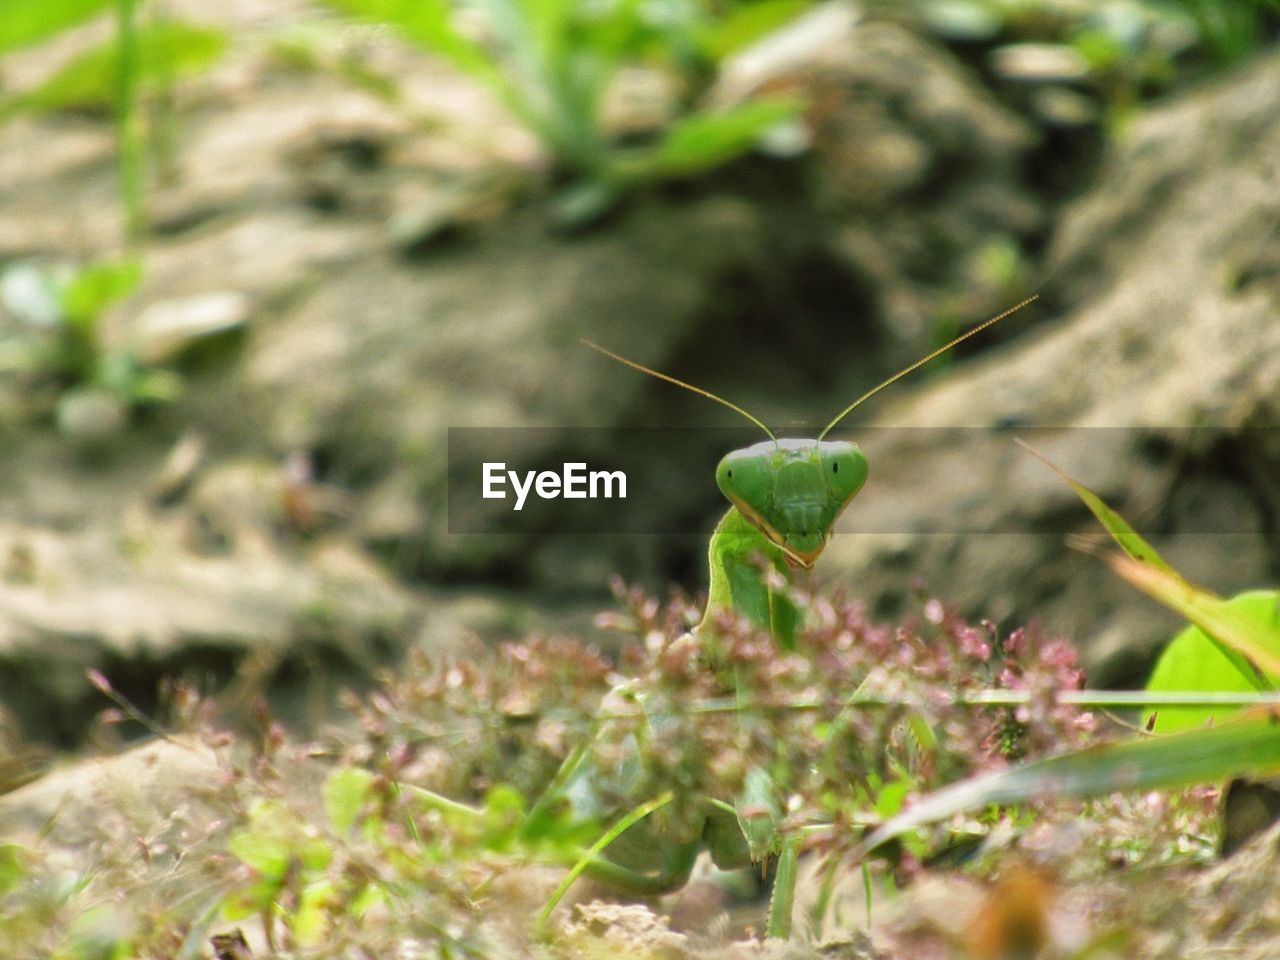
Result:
[[785, 496]]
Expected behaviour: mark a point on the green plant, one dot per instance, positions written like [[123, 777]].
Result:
[[1230, 30], [422, 823], [1247, 746], [26, 22], [851, 725], [141, 62], [1231, 647], [1194, 660], [551, 62], [60, 346], [138, 62]]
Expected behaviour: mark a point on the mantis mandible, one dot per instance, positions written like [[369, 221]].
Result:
[[785, 496]]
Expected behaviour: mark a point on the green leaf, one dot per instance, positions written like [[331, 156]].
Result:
[[275, 838], [96, 287], [269, 855], [91, 81], [434, 801], [25, 22], [926, 736], [1194, 662], [584, 203], [151, 386], [544, 27], [199, 930], [311, 922], [368, 898], [891, 796], [1101, 50], [314, 853], [1249, 746], [429, 24], [703, 141], [12, 868], [1130, 541], [746, 23], [345, 792], [97, 933], [253, 899], [504, 816]]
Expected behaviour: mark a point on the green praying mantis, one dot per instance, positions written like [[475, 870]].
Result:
[[785, 496]]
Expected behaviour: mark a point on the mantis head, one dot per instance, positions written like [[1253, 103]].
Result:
[[792, 491]]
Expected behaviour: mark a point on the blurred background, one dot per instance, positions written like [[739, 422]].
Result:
[[258, 257]]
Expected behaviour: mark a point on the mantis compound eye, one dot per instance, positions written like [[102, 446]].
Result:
[[744, 479], [845, 468]]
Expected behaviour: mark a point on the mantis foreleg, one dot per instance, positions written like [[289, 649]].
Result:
[[737, 581]]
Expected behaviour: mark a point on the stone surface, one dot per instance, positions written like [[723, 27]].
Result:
[[144, 785], [1164, 318]]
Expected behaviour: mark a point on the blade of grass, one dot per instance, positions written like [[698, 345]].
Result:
[[745, 24], [129, 132], [1130, 541], [90, 82], [1142, 553], [1249, 746], [610, 835], [1246, 637], [703, 141], [992, 697], [781, 905], [29, 21], [429, 25], [435, 801]]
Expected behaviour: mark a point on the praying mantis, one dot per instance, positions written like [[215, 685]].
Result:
[[785, 496]]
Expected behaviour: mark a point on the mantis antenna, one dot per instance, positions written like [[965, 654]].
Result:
[[918, 364], [688, 386]]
